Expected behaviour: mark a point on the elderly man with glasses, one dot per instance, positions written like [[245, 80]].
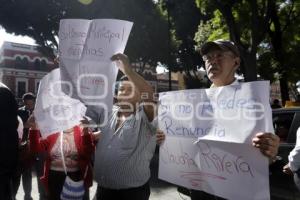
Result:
[[222, 59]]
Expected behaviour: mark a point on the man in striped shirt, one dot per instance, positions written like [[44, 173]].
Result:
[[128, 140]]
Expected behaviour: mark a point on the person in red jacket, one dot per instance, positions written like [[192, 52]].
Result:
[[78, 147]]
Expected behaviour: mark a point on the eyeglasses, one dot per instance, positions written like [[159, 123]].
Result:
[[219, 55]]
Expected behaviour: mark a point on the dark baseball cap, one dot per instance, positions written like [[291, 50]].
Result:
[[225, 45]]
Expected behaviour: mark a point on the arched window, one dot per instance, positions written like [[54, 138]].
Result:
[[18, 62], [37, 64], [43, 64], [25, 63]]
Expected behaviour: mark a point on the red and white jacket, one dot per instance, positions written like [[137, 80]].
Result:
[[85, 148]]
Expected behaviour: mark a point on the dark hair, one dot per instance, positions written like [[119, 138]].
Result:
[[28, 96], [123, 78], [276, 101], [117, 85]]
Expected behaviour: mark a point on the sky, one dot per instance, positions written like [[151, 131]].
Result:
[[12, 38], [4, 36]]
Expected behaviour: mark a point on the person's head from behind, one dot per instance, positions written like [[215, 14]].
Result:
[[298, 98], [276, 102], [281, 128], [222, 59], [127, 93], [29, 101]]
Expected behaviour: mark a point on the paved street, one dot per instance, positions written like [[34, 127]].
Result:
[[160, 190], [167, 192]]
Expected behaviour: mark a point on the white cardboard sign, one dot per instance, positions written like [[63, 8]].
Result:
[[85, 49], [208, 139], [55, 111], [229, 170]]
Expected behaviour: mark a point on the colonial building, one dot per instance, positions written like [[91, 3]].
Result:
[[22, 67]]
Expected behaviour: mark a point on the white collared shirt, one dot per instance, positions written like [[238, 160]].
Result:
[[294, 156], [235, 82]]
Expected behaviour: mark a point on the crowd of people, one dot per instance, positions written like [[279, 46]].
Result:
[[118, 155]]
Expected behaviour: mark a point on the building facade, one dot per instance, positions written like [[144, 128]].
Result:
[[22, 67], [160, 82]]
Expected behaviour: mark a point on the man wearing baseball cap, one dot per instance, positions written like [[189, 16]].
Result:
[[222, 59]]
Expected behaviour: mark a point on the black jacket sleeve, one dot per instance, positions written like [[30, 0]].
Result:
[[8, 132]]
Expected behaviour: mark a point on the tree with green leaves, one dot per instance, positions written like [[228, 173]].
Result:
[[185, 17], [255, 26], [243, 22], [285, 17], [40, 20]]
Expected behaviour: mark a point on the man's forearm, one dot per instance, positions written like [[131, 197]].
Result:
[[140, 83]]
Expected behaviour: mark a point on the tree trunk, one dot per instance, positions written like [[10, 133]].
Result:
[[279, 52], [284, 89], [249, 67]]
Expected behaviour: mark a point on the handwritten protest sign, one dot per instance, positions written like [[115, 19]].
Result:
[[85, 49], [55, 111], [231, 113], [213, 129], [50, 92], [95, 39], [229, 170]]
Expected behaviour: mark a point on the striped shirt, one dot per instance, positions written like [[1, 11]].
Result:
[[123, 156]]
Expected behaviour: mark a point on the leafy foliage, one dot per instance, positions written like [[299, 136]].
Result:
[[184, 19], [265, 31], [40, 20]]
